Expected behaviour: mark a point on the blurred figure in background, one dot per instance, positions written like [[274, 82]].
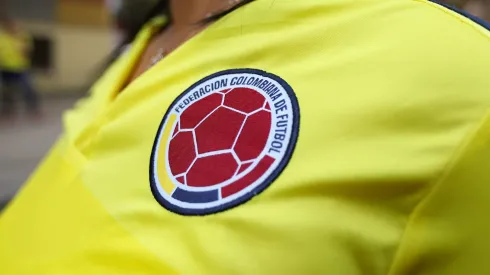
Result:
[[15, 48]]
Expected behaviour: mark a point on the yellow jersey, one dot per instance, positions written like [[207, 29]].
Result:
[[13, 51], [290, 137]]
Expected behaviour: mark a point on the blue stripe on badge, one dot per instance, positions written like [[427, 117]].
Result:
[[196, 197]]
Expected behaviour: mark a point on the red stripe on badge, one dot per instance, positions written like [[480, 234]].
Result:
[[264, 164]]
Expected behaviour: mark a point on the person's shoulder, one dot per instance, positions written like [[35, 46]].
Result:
[[433, 17], [441, 48], [425, 23], [436, 26]]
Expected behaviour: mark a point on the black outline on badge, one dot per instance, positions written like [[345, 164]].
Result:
[[261, 187]]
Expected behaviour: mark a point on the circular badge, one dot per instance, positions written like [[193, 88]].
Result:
[[223, 141]]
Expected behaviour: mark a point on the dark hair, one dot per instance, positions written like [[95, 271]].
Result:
[[221, 14], [162, 7]]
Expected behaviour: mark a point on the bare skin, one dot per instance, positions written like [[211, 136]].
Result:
[[185, 14], [480, 8]]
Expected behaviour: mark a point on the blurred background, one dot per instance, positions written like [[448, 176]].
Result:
[[67, 43]]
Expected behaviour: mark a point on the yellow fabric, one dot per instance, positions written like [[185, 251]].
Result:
[[389, 176], [13, 51]]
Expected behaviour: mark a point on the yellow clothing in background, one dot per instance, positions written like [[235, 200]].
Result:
[[14, 51], [383, 159]]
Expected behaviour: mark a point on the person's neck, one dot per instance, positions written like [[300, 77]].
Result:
[[188, 12]]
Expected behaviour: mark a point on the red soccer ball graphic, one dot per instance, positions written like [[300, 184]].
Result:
[[218, 137]]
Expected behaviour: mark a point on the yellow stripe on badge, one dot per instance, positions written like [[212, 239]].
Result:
[[163, 177]]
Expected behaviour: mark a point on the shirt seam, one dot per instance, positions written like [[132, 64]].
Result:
[[455, 157], [437, 182]]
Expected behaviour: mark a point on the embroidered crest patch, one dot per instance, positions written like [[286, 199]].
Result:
[[223, 141]]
